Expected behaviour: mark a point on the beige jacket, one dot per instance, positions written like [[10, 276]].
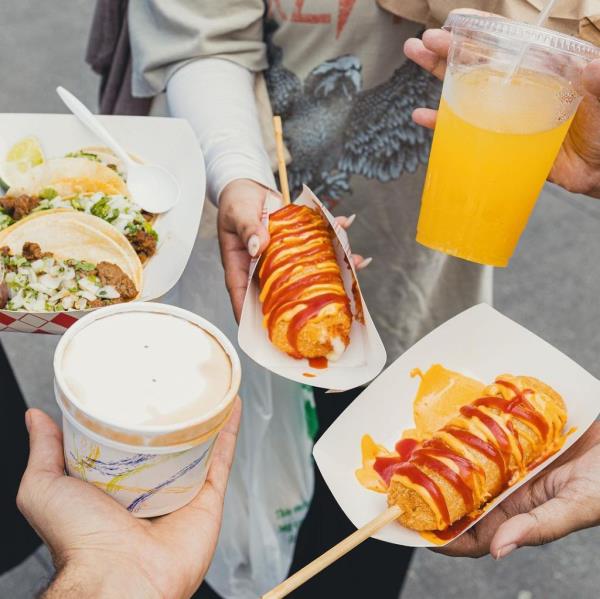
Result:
[[575, 17]]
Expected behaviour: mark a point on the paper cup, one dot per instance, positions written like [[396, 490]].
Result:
[[149, 469]]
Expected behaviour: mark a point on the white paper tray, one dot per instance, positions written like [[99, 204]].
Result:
[[168, 142], [481, 343], [363, 359]]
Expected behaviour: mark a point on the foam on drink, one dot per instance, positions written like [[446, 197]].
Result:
[[146, 368]]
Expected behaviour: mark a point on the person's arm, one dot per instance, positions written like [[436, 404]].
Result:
[[76, 580], [216, 97], [174, 36], [100, 549]]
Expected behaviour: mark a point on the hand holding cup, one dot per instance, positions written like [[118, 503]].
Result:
[[98, 547], [577, 166]]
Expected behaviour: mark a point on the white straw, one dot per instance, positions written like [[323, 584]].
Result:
[[538, 23]]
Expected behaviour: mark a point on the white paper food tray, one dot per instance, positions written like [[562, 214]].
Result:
[[167, 142], [481, 343], [365, 355]]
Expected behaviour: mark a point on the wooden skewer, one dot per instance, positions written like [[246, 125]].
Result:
[[349, 543], [283, 178]]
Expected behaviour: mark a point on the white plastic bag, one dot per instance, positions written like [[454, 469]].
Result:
[[269, 490], [272, 479]]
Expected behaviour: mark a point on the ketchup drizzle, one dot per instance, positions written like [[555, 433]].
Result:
[[300, 239], [413, 456]]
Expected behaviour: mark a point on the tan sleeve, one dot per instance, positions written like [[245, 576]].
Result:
[[589, 29], [574, 17], [165, 35]]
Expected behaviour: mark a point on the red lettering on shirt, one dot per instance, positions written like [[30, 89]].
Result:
[[346, 7], [310, 17], [276, 4]]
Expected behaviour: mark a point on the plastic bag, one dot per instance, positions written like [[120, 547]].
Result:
[[272, 479], [269, 491]]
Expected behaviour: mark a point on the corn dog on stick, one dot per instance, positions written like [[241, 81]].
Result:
[[516, 424], [305, 306]]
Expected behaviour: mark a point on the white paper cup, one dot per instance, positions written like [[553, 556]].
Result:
[[149, 469]]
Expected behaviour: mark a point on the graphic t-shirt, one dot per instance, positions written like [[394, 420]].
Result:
[[337, 74]]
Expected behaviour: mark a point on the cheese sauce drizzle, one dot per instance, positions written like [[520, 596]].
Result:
[[495, 425]]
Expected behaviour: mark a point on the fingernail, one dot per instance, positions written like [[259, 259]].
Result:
[[364, 264], [350, 220], [28, 420], [505, 551], [253, 245]]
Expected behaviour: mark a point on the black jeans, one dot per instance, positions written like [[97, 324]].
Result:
[[18, 538], [373, 569]]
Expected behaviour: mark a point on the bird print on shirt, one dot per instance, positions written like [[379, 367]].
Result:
[[334, 129]]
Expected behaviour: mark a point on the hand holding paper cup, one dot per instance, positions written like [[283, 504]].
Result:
[[144, 390]]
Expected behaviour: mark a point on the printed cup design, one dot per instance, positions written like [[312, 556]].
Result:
[[146, 484], [149, 470]]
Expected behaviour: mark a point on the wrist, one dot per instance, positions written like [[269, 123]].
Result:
[[101, 579], [241, 186]]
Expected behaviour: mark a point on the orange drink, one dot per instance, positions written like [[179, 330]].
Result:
[[489, 160], [498, 132]]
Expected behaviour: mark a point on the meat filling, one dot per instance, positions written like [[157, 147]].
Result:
[[111, 274], [3, 294], [38, 281], [143, 243], [19, 206]]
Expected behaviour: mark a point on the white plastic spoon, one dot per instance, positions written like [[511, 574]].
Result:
[[152, 187]]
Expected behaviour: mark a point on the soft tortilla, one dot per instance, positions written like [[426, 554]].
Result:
[[106, 156], [75, 235], [69, 177]]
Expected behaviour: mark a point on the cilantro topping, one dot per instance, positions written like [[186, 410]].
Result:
[[48, 193]]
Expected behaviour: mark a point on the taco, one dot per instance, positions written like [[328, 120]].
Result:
[[68, 177], [86, 183], [62, 260], [102, 155]]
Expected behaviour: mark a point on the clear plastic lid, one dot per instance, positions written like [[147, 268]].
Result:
[[522, 32]]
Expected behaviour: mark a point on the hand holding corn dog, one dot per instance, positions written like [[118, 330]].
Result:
[[563, 499], [243, 236]]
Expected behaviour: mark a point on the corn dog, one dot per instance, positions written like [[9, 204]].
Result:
[[304, 303], [516, 424]]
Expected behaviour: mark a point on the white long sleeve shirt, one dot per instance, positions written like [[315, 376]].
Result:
[[217, 97]]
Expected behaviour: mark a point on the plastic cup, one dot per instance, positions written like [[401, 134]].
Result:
[[150, 469], [497, 136]]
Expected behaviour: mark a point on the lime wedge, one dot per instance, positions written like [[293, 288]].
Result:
[[26, 153], [23, 155]]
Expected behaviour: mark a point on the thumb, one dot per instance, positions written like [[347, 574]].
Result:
[[249, 227], [591, 78], [45, 445], [550, 521]]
